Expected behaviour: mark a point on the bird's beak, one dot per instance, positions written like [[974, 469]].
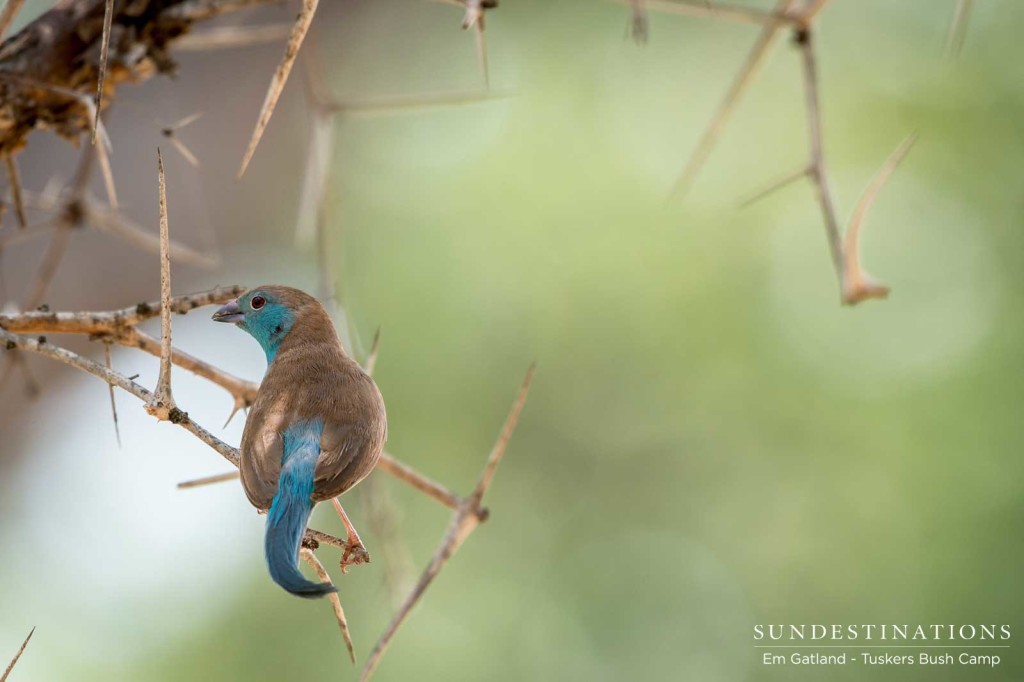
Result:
[[229, 312]]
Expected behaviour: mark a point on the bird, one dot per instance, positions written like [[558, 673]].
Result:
[[315, 429]]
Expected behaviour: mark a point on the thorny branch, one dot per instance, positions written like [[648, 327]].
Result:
[[119, 326], [854, 284]]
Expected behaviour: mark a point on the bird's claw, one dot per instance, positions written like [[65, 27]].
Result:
[[355, 553]]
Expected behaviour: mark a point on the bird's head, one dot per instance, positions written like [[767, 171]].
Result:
[[270, 312]]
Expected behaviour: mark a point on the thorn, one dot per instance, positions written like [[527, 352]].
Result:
[[858, 285], [481, 50], [14, 177], [639, 24], [108, 16], [339, 612], [739, 86], [465, 519], [506, 434], [110, 387], [958, 27], [207, 480], [775, 186], [277, 83], [239, 404], [108, 176], [162, 404], [371, 359], [231, 37], [14, 661]]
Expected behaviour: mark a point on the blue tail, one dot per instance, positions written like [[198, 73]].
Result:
[[290, 511]]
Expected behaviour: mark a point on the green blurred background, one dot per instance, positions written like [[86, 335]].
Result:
[[712, 441]]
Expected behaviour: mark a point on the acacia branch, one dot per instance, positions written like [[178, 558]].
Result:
[[854, 284], [119, 327]]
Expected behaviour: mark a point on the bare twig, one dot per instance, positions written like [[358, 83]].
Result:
[[14, 661], [465, 519], [339, 612], [818, 170], [277, 83]]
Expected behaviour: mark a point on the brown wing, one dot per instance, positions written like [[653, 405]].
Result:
[[262, 448], [348, 453]]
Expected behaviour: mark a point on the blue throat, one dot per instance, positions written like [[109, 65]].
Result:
[[290, 511], [270, 327]]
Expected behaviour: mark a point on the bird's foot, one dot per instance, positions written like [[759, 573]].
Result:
[[355, 553]]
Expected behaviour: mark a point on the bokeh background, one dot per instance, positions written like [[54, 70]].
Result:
[[712, 441]]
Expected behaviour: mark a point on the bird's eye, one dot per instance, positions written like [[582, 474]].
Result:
[[257, 302]]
